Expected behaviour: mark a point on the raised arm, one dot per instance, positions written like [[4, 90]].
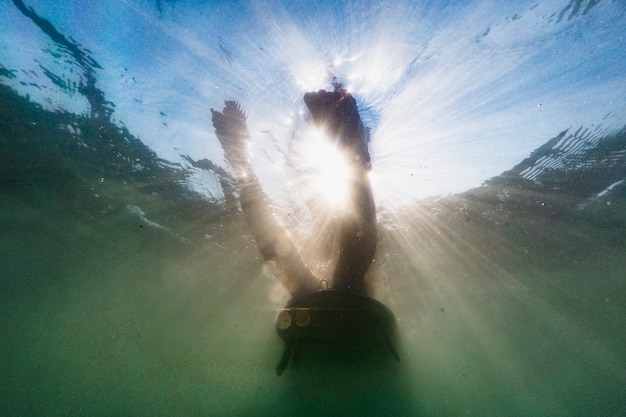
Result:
[[337, 115], [273, 241]]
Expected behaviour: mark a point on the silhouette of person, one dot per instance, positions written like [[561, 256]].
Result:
[[336, 114]]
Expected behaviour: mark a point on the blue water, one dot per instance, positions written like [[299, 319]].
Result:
[[129, 282]]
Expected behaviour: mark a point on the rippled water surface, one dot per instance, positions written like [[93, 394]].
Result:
[[130, 284]]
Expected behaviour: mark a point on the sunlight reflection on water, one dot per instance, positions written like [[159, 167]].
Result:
[[460, 94]]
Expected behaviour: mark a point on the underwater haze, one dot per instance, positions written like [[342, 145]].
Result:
[[130, 283]]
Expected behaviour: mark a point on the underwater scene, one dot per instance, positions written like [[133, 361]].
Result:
[[312, 208]]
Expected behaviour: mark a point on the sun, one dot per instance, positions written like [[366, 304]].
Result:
[[328, 169]]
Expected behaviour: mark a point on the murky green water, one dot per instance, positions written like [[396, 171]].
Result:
[[102, 314]]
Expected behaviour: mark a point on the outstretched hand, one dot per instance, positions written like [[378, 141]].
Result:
[[231, 130], [336, 113]]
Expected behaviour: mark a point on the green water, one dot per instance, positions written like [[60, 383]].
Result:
[[104, 315], [122, 295]]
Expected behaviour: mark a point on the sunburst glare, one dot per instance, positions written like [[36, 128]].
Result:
[[326, 168]]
